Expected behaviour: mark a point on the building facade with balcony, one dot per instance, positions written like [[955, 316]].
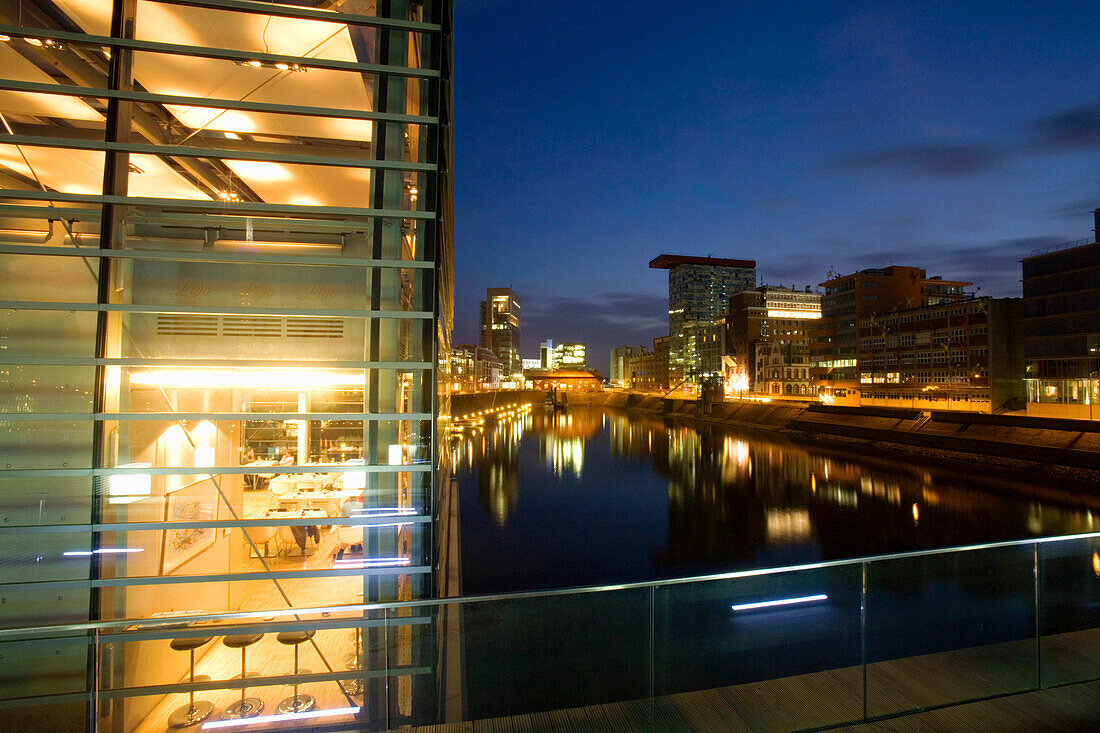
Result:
[[648, 369], [474, 369], [957, 356], [852, 298], [770, 326]]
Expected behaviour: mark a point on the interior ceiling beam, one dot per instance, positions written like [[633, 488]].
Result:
[[214, 141], [89, 69]]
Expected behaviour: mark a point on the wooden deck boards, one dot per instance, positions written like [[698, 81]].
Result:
[[1063, 709], [830, 698]]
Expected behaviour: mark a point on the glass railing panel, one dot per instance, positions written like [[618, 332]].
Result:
[[335, 667], [764, 645], [526, 655], [44, 714], [1069, 611], [950, 627]]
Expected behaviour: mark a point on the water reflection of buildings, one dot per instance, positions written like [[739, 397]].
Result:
[[492, 447], [562, 437], [731, 498]]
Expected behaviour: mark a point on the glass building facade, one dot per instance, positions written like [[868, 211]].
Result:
[[225, 259], [1062, 331], [699, 291]]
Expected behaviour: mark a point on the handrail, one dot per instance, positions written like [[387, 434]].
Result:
[[123, 626], [1059, 247]]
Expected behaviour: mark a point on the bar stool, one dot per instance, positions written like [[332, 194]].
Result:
[[353, 661], [193, 712], [248, 707], [297, 703]]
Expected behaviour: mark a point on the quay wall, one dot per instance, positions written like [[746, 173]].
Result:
[[467, 403], [1008, 439]]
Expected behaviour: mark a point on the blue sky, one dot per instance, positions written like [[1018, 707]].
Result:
[[808, 136]]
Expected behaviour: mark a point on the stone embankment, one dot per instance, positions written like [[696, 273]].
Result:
[[1068, 447], [468, 404]]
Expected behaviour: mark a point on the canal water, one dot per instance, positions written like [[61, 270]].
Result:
[[593, 497]]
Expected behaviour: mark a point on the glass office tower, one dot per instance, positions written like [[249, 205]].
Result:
[[226, 273], [699, 290]]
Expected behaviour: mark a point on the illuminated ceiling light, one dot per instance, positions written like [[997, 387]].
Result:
[[781, 602], [280, 65], [289, 379], [4, 38], [259, 170], [34, 41], [228, 196], [232, 135]]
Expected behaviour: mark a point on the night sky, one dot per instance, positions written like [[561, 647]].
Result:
[[809, 136]]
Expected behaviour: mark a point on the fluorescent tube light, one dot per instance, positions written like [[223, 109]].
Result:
[[782, 602]]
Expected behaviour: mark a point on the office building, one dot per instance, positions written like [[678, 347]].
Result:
[[619, 374], [1062, 330], [546, 354], [648, 369], [474, 368], [770, 327], [849, 299], [225, 256], [500, 329], [699, 289], [569, 355], [955, 356]]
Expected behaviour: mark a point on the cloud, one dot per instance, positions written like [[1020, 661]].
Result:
[[1072, 129], [993, 266], [1079, 209], [602, 322], [933, 160]]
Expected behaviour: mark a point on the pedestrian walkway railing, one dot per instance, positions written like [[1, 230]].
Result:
[[802, 647]]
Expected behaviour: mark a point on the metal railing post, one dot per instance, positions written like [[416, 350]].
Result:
[[1038, 638], [652, 641], [863, 631]]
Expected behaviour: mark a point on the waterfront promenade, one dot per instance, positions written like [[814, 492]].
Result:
[[819, 701]]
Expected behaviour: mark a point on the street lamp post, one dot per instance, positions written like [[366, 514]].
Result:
[[1092, 391]]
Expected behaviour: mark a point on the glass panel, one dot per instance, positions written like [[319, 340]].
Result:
[[45, 388], [331, 662], [767, 643], [28, 444], [45, 500], [46, 333], [950, 627], [48, 279], [1069, 611], [529, 654]]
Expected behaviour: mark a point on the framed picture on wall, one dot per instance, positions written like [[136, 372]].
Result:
[[195, 502]]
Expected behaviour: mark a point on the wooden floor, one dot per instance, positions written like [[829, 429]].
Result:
[[908, 688], [1071, 708]]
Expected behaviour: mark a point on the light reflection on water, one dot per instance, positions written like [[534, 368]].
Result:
[[585, 497]]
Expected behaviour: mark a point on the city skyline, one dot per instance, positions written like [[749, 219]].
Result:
[[808, 138]]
